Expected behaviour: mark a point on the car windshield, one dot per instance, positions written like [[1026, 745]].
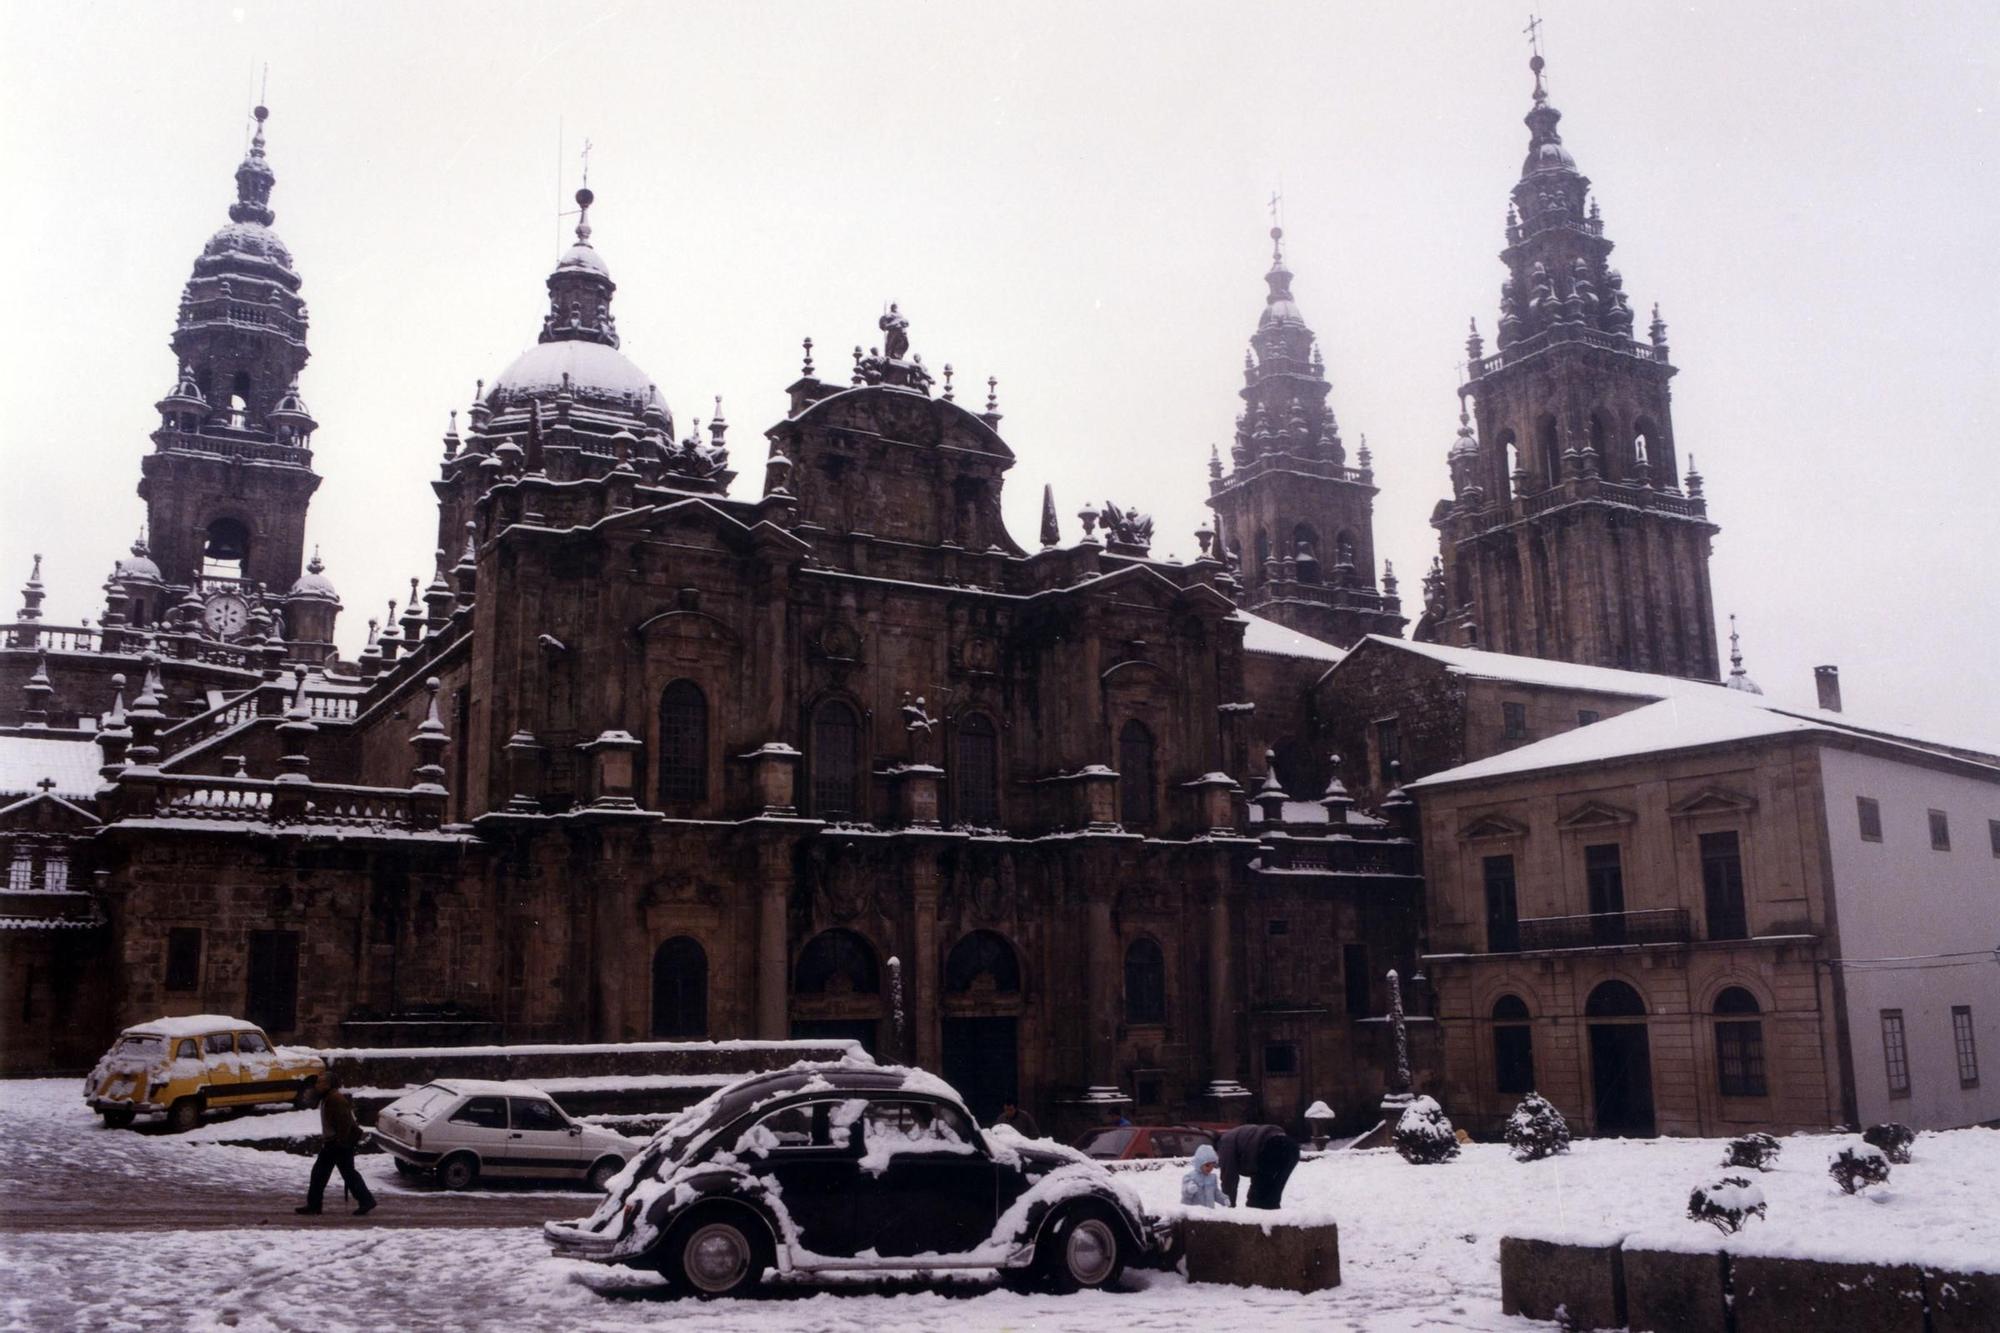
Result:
[[425, 1102], [1111, 1141], [149, 1047]]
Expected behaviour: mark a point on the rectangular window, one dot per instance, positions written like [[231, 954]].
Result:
[[1281, 1057], [1354, 978], [184, 958], [55, 871], [1389, 749], [1895, 1054], [1722, 886], [1503, 922], [1604, 874], [1962, 1042], [1515, 719], [272, 1002], [1940, 832], [1739, 1058], [1870, 811], [1586, 716]]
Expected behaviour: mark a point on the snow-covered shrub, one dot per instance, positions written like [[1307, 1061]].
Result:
[[1536, 1129], [1424, 1135], [1726, 1203], [1893, 1139], [1752, 1150], [1855, 1169]]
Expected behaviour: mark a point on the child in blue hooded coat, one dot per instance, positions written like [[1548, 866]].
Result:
[[1201, 1186]]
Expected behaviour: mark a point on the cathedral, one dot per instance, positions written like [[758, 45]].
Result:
[[833, 754]]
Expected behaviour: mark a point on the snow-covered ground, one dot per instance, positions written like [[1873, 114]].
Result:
[[1419, 1245]]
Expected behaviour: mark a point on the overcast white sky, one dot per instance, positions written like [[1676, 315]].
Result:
[[1071, 197]]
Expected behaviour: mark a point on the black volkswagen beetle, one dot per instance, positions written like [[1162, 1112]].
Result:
[[855, 1166]]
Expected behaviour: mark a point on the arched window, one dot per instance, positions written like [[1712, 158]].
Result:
[[836, 759], [1659, 453], [1550, 445], [683, 743], [1614, 999], [1343, 549], [983, 955], [1145, 982], [1739, 1044], [1608, 460], [976, 770], [239, 400], [1263, 551], [1135, 774], [837, 962], [226, 552], [1513, 1046], [680, 989], [1305, 550], [1510, 458]]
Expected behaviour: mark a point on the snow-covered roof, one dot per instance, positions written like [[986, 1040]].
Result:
[[26, 760], [1268, 636], [1708, 716], [191, 1025], [1483, 665], [596, 371], [487, 1087]]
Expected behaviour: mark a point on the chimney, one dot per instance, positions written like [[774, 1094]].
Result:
[[1828, 680]]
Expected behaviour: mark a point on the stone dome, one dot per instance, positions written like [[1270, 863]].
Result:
[[314, 582], [139, 565], [585, 257], [598, 374]]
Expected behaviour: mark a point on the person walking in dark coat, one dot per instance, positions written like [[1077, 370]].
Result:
[[1265, 1153], [340, 1135]]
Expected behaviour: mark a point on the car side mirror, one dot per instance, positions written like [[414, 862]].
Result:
[[576, 1131]]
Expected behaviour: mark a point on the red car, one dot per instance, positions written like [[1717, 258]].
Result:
[[1117, 1143]]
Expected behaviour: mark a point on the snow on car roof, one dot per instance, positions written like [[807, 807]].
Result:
[[191, 1025], [487, 1087]]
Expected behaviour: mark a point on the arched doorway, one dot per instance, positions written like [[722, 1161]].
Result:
[[1621, 1062], [837, 990], [981, 1023]]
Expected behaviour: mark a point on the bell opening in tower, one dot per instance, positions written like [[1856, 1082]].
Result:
[[226, 552]]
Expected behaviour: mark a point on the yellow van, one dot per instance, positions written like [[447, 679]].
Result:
[[183, 1066]]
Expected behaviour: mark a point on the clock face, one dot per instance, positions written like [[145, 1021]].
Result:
[[225, 615]]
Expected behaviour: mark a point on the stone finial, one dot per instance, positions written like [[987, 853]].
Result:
[[114, 734], [36, 693], [32, 593], [950, 395], [806, 370], [1214, 463], [429, 742], [1336, 800], [1051, 531]]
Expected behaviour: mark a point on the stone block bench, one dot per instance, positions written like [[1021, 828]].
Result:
[[1674, 1283], [1257, 1248]]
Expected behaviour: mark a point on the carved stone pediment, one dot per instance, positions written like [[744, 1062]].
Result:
[[1713, 801], [1596, 814], [1492, 826]]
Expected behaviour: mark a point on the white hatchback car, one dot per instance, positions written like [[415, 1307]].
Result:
[[461, 1129]]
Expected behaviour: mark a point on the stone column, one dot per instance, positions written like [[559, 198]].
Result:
[[925, 996], [1102, 962], [1224, 1074], [773, 953]]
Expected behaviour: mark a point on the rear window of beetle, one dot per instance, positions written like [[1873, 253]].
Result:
[[149, 1047]]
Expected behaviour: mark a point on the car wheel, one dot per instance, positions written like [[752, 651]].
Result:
[[1079, 1250], [184, 1115], [601, 1173], [457, 1173], [712, 1256]]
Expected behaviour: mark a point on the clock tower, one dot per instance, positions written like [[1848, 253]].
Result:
[[230, 476]]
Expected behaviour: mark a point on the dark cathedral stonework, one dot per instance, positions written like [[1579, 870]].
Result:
[[1574, 531], [640, 760]]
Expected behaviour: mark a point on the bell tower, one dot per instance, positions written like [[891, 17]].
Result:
[[1569, 533], [230, 476], [1290, 510]]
